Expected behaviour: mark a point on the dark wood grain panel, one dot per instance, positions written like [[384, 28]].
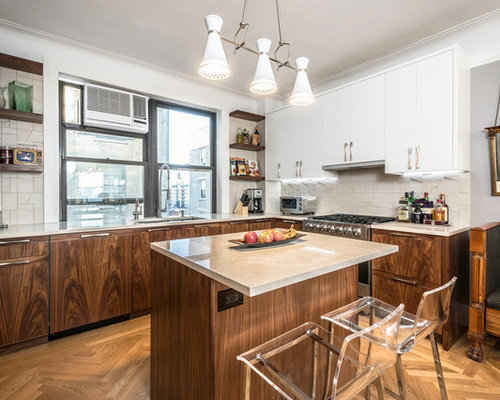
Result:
[[287, 224], [141, 263], [180, 332], [24, 247], [234, 227], [24, 301], [198, 230], [419, 256], [21, 64], [260, 224], [89, 278]]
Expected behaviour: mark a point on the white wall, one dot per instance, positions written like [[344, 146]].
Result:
[[64, 57], [485, 83]]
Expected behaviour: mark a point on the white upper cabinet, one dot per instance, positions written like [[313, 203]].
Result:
[[368, 120], [336, 126], [401, 103], [274, 140], [427, 115]]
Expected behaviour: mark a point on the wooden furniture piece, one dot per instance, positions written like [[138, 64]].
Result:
[[243, 146], [247, 115], [484, 308], [494, 147], [89, 278], [24, 290], [21, 64], [424, 262]]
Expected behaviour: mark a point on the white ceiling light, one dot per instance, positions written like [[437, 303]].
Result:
[[214, 65], [302, 93], [263, 81]]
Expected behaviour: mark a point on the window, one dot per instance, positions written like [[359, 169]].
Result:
[[186, 141], [103, 171]]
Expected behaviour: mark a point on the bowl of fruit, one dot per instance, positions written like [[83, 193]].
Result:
[[266, 238]]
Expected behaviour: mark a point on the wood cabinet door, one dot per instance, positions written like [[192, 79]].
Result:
[[234, 226], [368, 119], [24, 247], [197, 230], [287, 224], [260, 225], [141, 263], [418, 258], [90, 278], [396, 292], [401, 125], [24, 300], [336, 126]]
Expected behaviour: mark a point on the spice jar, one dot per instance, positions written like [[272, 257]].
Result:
[[239, 135], [255, 137], [246, 136]]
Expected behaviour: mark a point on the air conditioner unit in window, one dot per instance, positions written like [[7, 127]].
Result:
[[115, 109]]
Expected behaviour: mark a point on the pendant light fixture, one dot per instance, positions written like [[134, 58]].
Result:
[[214, 65], [302, 93], [263, 81]]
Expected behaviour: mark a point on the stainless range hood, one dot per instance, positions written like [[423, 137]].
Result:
[[353, 165]]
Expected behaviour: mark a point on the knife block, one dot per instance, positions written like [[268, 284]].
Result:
[[241, 209]]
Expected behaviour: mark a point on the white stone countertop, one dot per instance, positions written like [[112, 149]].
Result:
[[256, 271], [15, 231], [446, 230]]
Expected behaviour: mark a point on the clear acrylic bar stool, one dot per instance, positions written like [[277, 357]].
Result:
[[432, 312], [309, 362]]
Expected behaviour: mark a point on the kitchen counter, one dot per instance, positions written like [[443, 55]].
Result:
[[256, 271], [449, 230], [14, 231]]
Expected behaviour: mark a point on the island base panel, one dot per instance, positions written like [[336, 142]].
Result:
[[194, 347]]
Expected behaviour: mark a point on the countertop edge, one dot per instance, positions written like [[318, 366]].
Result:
[[257, 290], [445, 231]]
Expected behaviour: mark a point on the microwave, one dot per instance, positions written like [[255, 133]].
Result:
[[298, 204]]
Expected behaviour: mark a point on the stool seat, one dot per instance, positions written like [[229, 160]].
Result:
[[493, 299]]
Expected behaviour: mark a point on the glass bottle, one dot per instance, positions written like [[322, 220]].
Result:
[[438, 213], [446, 210], [239, 135], [404, 211]]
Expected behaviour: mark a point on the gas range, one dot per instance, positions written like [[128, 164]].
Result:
[[347, 225]]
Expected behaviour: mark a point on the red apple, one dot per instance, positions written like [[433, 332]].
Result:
[[266, 237], [277, 236], [250, 237]]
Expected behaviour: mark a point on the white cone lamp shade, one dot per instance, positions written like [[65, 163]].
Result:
[[302, 94], [214, 65], [263, 81]]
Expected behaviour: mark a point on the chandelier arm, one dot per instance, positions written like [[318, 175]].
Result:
[[288, 64]]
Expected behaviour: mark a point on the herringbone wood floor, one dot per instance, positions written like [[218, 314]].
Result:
[[113, 363]]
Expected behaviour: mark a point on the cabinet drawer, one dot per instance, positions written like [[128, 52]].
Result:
[[24, 247], [418, 258], [259, 224], [234, 226], [198, 230], [24, 300], [396, 290], [287, 224]]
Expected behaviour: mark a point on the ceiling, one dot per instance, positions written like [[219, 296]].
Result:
[[334, 34]]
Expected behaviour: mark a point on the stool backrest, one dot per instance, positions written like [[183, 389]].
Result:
[[434, 306], [492, 259]]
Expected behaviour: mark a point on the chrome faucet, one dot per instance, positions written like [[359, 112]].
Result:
[[163, 167]]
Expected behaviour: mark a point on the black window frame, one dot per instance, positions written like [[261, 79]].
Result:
[[150, 153]]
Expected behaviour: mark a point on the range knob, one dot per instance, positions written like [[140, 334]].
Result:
[[339, 230], [331, 229], [348, 231], [324, 227], [356, 232]]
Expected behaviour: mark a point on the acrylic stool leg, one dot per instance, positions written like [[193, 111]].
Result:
[[401, 379], [380, 388], [437, 365], [246, 387]]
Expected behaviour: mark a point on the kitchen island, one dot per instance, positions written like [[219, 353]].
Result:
[[211, 302]]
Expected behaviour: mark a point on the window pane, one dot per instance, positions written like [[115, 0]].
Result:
[[99, 145], [183, 137], [98, 191], [72, 104], [190, 191]]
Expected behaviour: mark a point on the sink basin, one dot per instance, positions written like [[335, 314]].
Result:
[[155, 220]]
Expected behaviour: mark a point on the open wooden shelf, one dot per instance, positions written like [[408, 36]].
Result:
[[246, 178], [246, 115], [21, 116], [243, 146], [21, 64], [20, 168]]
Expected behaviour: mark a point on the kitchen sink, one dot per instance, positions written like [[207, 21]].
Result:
[[155, 220]]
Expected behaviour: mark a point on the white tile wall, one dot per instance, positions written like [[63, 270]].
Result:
[[21, 196], [370, 191]]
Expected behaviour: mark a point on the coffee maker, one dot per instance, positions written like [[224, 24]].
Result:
[[255, 205]]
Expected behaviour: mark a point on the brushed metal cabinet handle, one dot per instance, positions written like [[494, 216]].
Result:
[[260, 220], [288, 221], [350, 150], [418, 157], [409, 157], [237, 222], [5, 264], [403, 235], [159, 229], [279, 170], [203, 225], [300, 163], [15, 242], [407, 281], [94, 235], [345, 152], [296, 169]]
